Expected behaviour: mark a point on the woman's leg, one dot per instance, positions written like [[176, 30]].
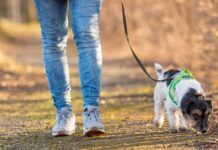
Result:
[[53, 19], [85, 22]]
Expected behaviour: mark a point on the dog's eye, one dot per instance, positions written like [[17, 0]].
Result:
[[208, 112]]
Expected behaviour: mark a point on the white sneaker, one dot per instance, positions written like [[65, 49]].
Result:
[[65, 123], [92, 125]]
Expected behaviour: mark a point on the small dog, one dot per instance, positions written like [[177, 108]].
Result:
[[183, 99]]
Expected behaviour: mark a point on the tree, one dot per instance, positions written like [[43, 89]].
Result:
[[18, 10]]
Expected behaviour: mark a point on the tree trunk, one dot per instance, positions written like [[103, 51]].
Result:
[[28, 11], [13, 10]]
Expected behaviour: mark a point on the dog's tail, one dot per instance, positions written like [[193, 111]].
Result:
[[159, 69]]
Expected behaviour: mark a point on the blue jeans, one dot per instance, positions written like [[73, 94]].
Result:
[[53, 20]]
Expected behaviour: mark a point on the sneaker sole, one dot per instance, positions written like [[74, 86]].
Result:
[[62, 133], [94, 132]]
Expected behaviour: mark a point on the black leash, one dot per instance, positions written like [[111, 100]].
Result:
[[133, 52]]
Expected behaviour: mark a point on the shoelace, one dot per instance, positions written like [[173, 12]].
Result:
[[62, 117], [93, 111]]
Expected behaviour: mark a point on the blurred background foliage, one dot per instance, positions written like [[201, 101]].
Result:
[[18, 10], [172, 32]]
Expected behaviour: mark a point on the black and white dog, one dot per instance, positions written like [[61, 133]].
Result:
[[183, 100]]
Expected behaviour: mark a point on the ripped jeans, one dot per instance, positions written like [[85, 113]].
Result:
[[53, 18]]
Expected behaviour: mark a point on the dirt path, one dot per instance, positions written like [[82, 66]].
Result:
[[27, 116], [27, 113]]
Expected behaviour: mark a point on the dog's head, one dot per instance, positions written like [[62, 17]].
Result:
[[196, 110]]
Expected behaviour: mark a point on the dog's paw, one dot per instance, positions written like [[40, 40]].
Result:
[[157, 124], [183, 129], [174, 130]]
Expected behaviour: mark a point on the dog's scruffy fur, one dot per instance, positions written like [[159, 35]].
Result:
[[193, 108]]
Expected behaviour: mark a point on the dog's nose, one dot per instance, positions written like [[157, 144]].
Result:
[[204, 131]]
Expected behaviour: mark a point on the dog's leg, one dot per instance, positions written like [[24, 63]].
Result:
[[177, 120], [159, 109], [173, 119], [159, 112], [182, 125]]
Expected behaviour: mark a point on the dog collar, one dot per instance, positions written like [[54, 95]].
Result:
[[184, 74]]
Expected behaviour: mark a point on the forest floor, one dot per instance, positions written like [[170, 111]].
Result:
[[27, 113]]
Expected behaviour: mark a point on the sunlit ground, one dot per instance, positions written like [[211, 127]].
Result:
[[27, 113]]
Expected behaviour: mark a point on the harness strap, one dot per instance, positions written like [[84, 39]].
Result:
[[185, 74]]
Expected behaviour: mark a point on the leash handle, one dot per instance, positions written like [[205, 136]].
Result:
[[133, 52]]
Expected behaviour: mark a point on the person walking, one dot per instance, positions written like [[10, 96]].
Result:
[[53, 19]]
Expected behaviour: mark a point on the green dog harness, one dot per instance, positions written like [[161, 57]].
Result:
[[185, 74]]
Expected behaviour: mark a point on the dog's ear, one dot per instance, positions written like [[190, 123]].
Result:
[[209, 103], [186, 104]]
